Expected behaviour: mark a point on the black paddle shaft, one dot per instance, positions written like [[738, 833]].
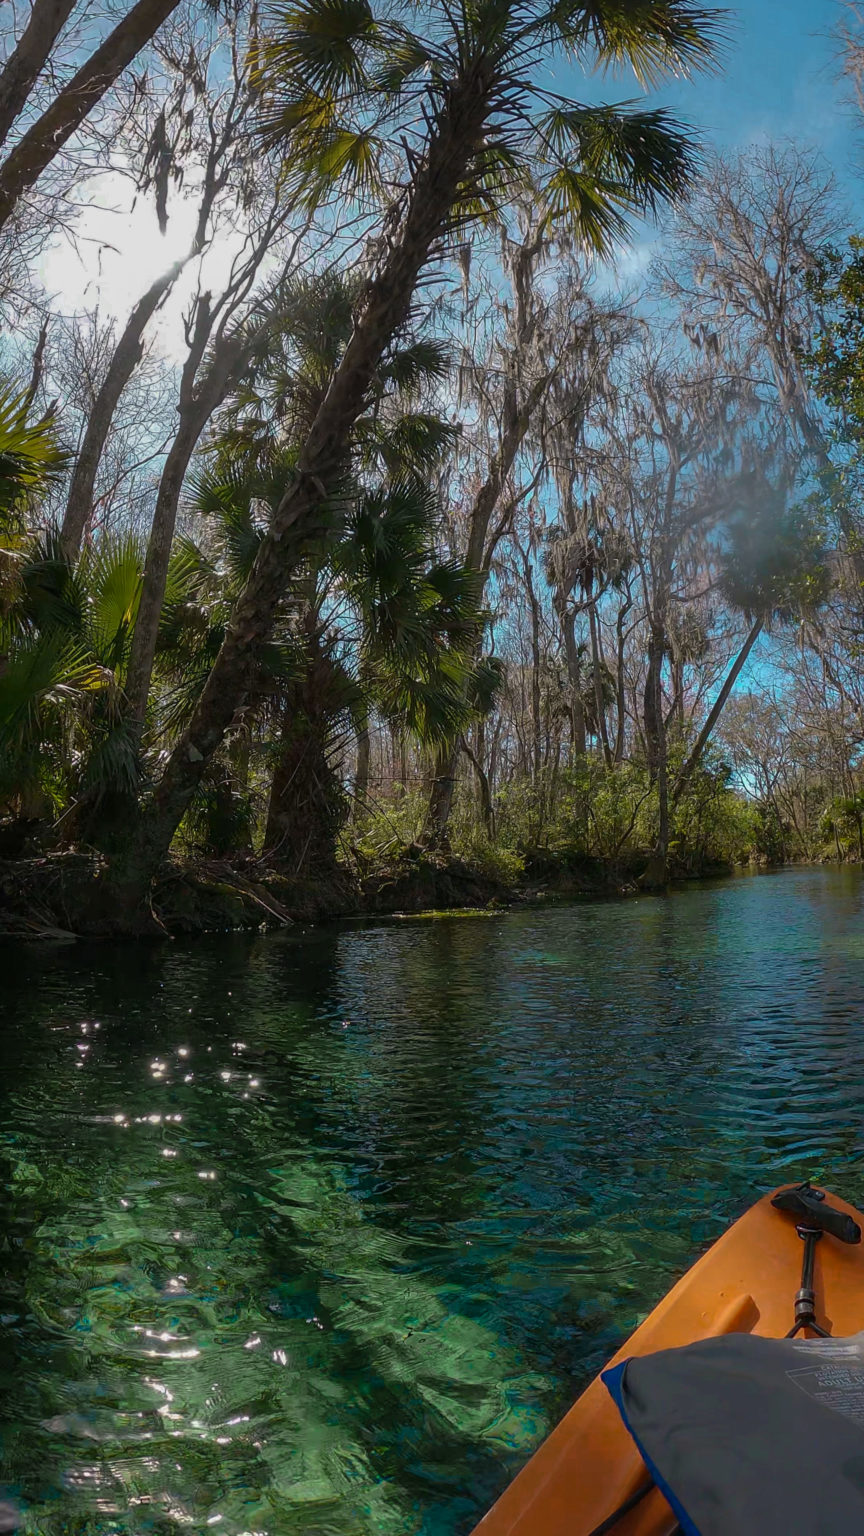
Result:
[[813, 1216]]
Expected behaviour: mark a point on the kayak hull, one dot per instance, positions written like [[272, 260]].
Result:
[[745, 1283]]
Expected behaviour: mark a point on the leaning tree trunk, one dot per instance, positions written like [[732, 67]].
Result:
[[146, 630], [43, 141], [456, 133], [28, 58], [195, 413], [127, 355], [715, 712]]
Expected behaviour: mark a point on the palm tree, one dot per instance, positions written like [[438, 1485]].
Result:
[[29, 457], [385, 556], [375, 623], [454, 123], [371, 621], [387, 629], [66, 631]]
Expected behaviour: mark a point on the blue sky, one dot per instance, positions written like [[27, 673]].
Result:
[[779, 80]]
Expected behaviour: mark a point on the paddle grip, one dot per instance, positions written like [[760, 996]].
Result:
[[811, 1210]]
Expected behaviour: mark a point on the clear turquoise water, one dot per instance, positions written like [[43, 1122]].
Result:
[[320, 1232]]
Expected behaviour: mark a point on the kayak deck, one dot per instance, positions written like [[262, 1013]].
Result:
[[745, 1283]]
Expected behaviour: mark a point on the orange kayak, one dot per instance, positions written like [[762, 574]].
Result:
[[746, 1283]]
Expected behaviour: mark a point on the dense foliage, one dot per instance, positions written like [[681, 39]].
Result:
[[380, 521]]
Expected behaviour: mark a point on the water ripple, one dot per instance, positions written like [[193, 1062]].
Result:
[[319, 1233]]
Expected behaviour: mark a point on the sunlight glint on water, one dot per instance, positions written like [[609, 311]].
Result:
[[319, 1233]]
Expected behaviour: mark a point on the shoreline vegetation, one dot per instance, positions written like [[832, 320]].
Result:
[[44, 898], [588, 832]]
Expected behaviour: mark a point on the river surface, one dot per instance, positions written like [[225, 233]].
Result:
[[320, 1232]]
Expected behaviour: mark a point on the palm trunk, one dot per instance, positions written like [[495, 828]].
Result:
[[306, 808], [127, 355], [620, 692], [441, 798], [456, 132], [27, 60], [599, 704], [579, 739], [715, 712], [361, 772], [308, 805], [44, 140], [655, 875], [655, 733]]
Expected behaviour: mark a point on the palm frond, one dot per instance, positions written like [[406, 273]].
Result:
[[415, 441], [497, 174], [48, 669], [317, 45], [647, 157], [431, 705], [456, 591], [485, 682], [51, 596], [112, 763], [29, 452], [228, 494], [112, 574], [583, 202], [656, 38], [409, 368]]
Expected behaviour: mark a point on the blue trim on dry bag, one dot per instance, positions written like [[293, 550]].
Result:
[[613, 1381]]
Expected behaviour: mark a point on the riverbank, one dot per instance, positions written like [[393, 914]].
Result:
[[51, 895]]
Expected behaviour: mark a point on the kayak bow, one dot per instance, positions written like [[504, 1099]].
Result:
[[749, 1281]]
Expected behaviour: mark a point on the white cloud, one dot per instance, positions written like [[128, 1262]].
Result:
[[118, 251]]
